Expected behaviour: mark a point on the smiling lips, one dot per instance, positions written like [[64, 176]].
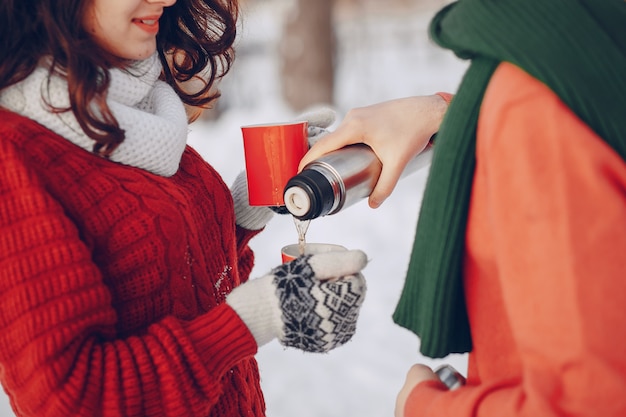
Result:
[[149, 24]]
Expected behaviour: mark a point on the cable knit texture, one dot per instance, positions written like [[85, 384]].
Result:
[[148, 110], [113, 281]]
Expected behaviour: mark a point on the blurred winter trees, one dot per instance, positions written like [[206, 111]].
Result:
[[308, 44], [307, 52], [318, 51]]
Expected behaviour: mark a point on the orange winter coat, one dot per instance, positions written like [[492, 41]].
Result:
[[545, 267]]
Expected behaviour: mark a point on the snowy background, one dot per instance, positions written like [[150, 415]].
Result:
[[379, 58]]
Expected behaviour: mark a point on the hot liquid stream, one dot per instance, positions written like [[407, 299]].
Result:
[[301, 227]]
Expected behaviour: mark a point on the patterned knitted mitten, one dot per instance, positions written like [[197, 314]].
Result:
[[255, 218], [303, 303]]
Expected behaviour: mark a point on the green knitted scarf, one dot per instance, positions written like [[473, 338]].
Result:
[[575, 47]]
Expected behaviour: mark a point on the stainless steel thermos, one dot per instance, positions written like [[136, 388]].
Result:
[[339, 179]]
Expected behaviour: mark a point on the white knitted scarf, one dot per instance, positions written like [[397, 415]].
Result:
[[147, 109]]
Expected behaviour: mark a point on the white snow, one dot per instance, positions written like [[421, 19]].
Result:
[[379, 58]]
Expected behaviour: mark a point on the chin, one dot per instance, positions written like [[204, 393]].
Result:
[[144, 54], [136, 54]]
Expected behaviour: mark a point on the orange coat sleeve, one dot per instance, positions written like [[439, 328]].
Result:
[[548, 222]]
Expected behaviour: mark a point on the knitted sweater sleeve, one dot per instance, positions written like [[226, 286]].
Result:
[[59, 355], [548, 265]]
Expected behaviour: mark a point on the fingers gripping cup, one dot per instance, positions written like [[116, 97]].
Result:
[[272, 153], [291, 252]]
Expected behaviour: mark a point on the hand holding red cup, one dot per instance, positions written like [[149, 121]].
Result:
[[272, 153]]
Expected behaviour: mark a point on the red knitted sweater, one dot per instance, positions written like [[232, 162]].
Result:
[[112, 285]]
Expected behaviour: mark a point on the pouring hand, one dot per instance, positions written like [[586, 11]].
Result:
[[397, 130]]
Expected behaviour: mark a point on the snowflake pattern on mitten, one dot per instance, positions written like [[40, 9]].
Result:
[[317, 315]]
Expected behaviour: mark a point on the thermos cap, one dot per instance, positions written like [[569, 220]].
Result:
[[297, 201], [309, 195]]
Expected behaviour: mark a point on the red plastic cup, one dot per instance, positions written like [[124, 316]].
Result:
[[272, 153], [290, 252]]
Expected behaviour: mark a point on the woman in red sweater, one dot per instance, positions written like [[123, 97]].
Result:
[[519, 257], [123, 256]]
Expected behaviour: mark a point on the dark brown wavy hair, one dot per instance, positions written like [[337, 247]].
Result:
[[200, 33]]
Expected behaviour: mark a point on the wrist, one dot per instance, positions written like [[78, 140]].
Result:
[[447, 97], [443, 101], [256, 304]]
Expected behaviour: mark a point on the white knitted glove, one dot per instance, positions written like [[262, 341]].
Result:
[[247, 216], [319, 120], [302, 303], [256, 217]]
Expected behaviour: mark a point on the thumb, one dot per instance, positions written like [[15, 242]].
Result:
[[337, 264], [320, 117], [328, 143]]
